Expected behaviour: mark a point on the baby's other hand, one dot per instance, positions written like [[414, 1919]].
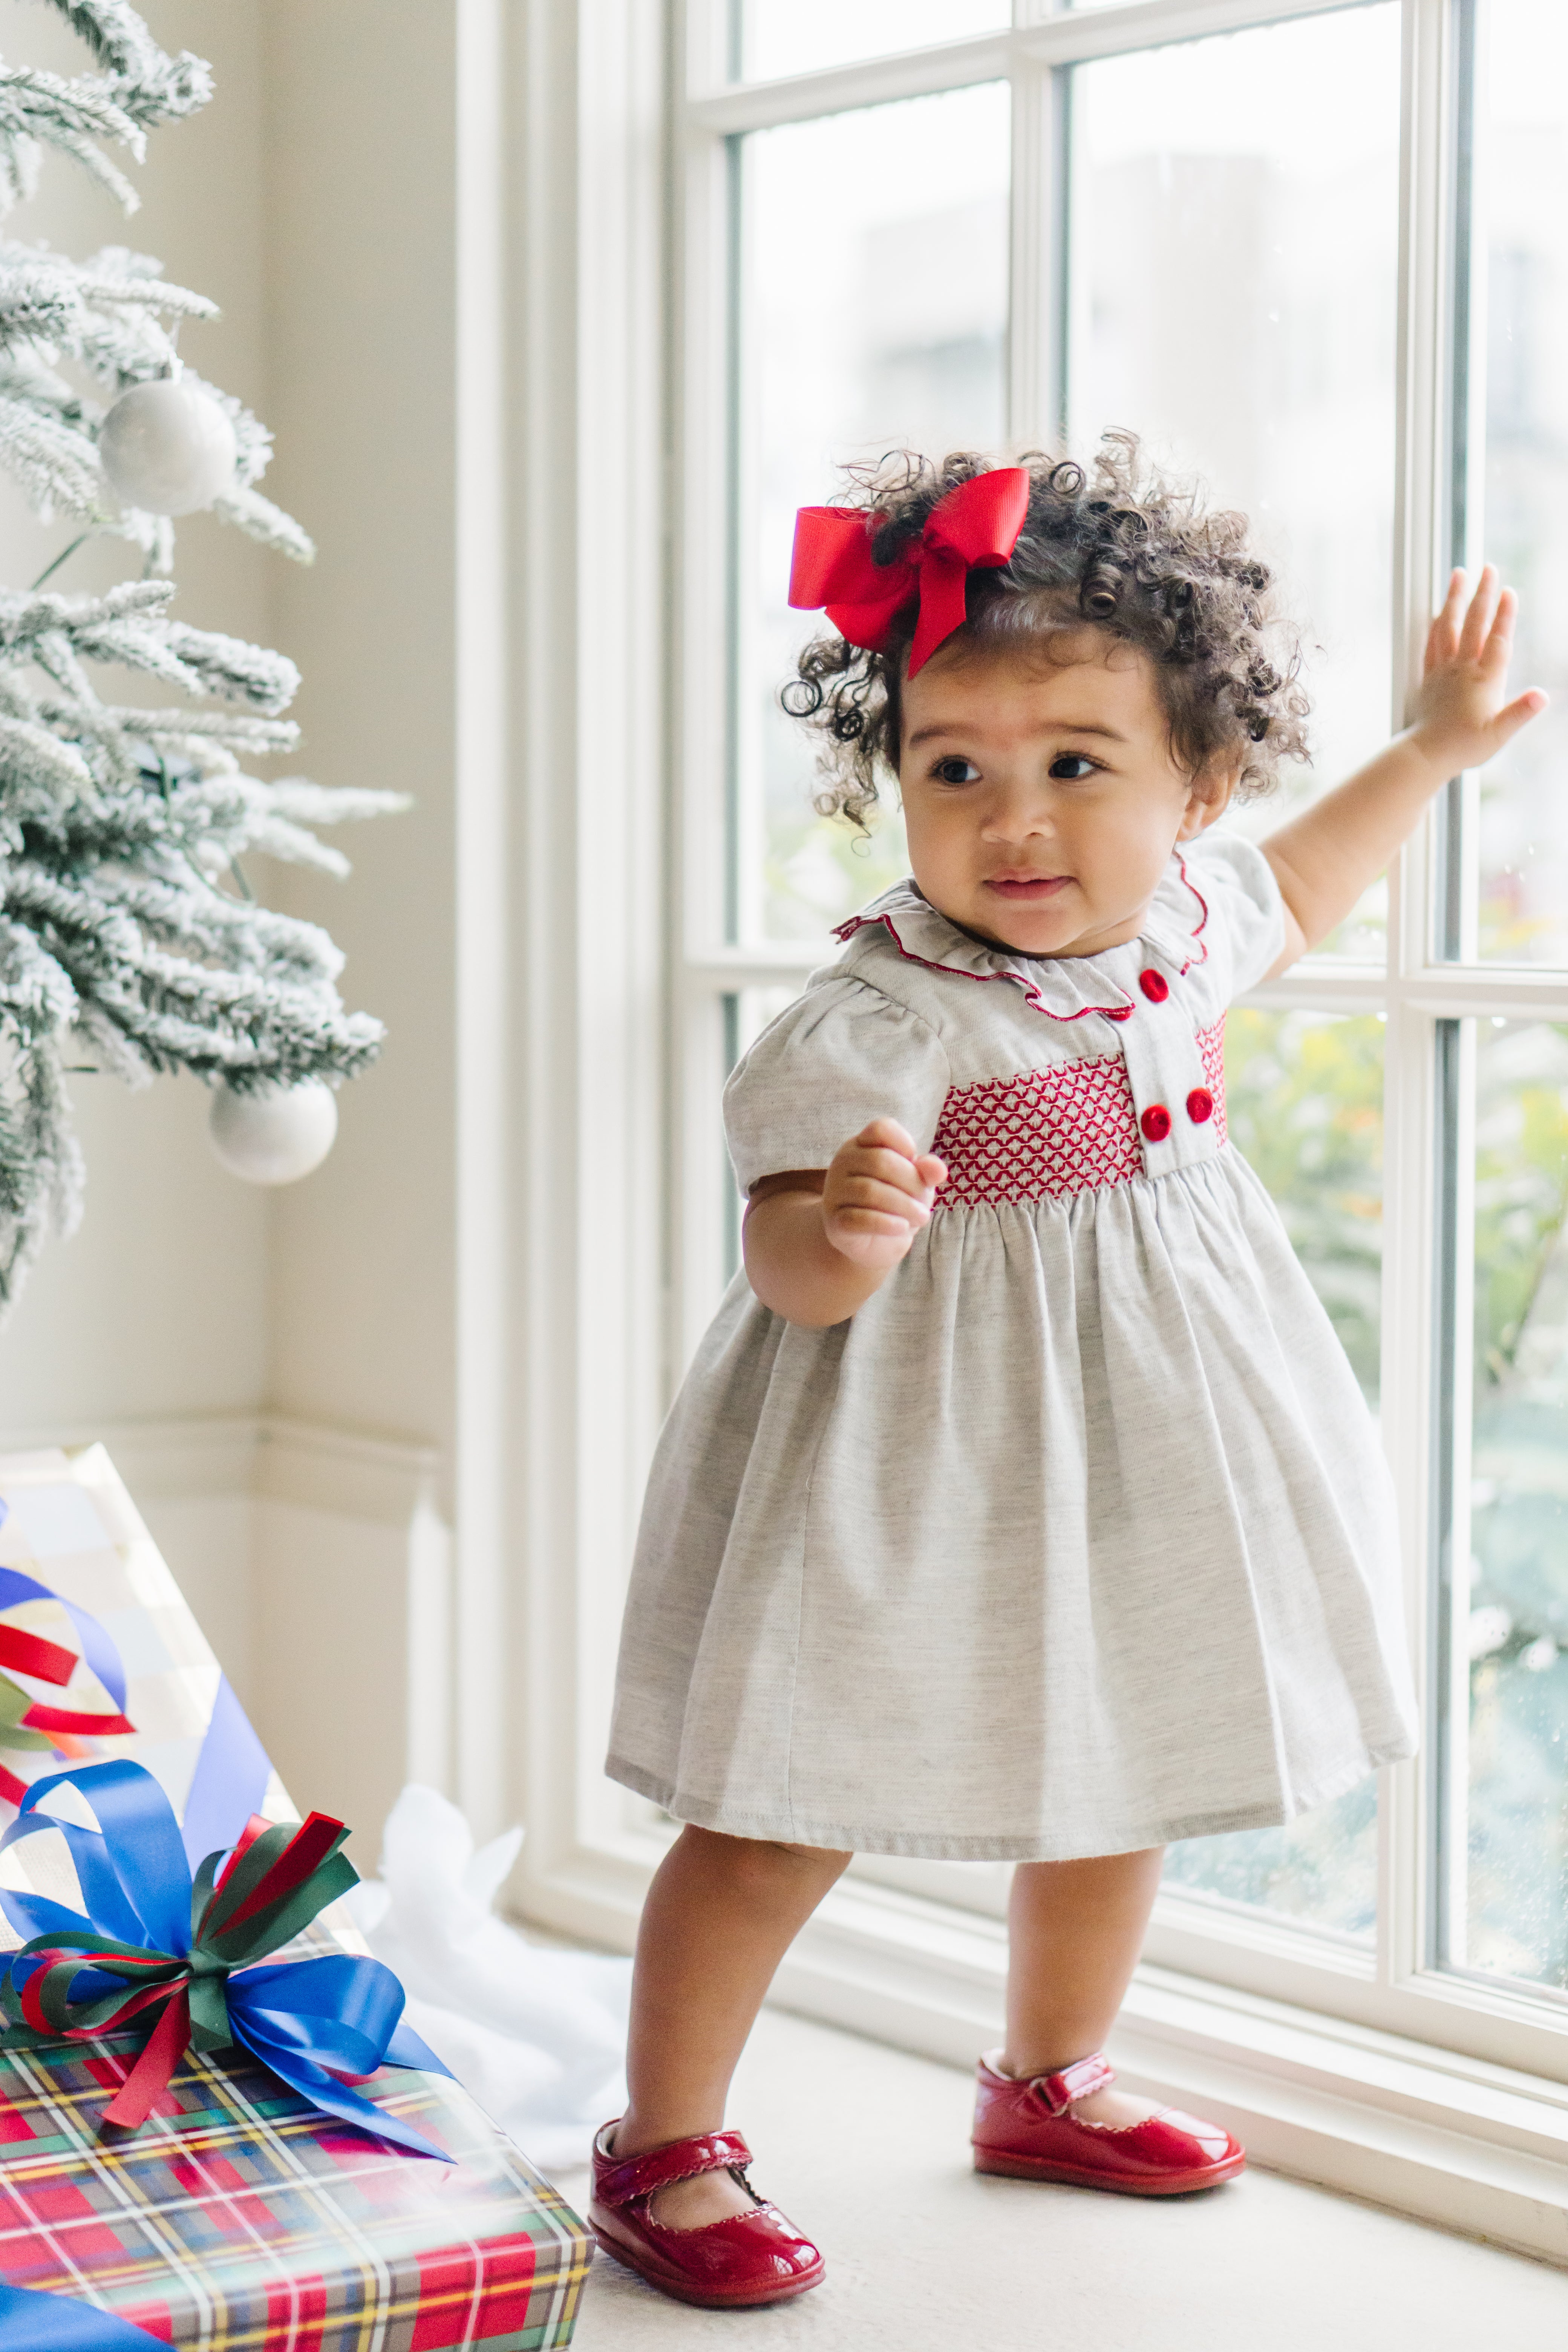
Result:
[[879, 1194], [1461, 718]]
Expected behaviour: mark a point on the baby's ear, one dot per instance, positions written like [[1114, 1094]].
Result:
[[1208, 796]]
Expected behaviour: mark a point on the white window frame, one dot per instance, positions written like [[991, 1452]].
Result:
[[587, 1274]]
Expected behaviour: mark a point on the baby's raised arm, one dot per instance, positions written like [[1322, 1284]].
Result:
[[819, 1240], [1324, 859]]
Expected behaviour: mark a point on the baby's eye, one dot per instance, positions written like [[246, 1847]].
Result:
[[955, 771], [1072, 767]]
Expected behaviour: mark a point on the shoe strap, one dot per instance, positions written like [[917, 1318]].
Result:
[[679, 2159], [1057, 2092]]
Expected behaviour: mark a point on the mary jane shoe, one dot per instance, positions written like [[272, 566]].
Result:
[[1028, 2129], [745, 2258]]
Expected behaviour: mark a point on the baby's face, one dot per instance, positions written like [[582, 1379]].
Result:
[[1040, 796]]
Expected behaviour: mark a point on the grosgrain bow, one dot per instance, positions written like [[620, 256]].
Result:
[[149, 1941], [833, 564]]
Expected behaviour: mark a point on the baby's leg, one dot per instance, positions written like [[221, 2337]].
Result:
[[1076, 1930], [720, 1914]]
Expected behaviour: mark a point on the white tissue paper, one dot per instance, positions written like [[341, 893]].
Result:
[[535, 2035]]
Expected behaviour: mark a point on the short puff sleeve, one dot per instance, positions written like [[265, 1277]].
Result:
[[1243, 928], [839, 1056]]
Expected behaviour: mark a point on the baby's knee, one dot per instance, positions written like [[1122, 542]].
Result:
[[764, 1864]]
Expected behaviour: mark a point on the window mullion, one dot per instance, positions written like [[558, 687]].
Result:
[[1448, 1777], [1420, 536], [1035, 262]]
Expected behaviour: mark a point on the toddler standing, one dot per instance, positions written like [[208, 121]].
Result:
[[1020, 1503]]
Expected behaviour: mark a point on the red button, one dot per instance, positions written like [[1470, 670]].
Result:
[[1156, 1121], [1154, 985], [1200, 1106]]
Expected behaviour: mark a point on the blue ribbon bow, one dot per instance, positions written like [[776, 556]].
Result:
[[140, 1932]]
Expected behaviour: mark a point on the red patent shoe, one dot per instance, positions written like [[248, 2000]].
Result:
[[1028, 2130], [745, 2258]]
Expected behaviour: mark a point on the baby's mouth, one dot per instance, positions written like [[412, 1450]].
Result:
[[1029, 887]]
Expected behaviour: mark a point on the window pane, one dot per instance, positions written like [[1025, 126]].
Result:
[[873, 317], [1515, 1905], [1523, 232], [1304, 1104], [1232, 298], [787, 36]]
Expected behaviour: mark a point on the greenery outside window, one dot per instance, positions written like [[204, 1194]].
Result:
[[941, 226]]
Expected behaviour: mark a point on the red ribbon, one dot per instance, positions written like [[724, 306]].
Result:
[[833, 567]]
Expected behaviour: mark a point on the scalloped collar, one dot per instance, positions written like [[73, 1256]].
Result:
[[1064, 987]]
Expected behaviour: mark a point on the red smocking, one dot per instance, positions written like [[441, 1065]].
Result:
[[1211, 1045], [1046, 1134]]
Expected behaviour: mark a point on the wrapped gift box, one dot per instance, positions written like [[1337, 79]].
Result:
[[238, 2218], [246, 2222]]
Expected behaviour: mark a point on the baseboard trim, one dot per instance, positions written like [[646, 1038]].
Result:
[[1477, 2149]]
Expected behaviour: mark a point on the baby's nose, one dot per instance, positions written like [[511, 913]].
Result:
[[1015, 820]]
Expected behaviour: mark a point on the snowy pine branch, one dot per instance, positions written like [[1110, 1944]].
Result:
[[149, 85], [125, 932]]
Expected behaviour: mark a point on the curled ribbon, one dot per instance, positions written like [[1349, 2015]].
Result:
[[27, 1722], [151, 1944], [833, 565]]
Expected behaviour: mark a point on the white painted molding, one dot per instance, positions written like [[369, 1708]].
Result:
[[358, 1474], [390, 1480]]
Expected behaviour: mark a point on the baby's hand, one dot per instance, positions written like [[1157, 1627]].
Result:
[[879, 1194], [1462, 719]]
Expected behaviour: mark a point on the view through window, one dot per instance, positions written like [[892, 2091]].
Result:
[[1199, 240]]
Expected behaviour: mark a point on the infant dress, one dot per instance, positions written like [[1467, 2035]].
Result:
[[1076, 1536]]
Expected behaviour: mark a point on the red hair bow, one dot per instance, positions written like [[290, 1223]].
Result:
[[977, 523]]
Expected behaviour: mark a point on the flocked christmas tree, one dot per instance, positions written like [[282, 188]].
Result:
[[129, 939]]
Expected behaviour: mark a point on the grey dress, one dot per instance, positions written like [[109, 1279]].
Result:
[[1076, 1538]]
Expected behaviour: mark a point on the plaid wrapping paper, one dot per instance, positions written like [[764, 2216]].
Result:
[[244, 2221]]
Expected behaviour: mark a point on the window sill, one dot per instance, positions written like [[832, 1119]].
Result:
[[1474, 2146]]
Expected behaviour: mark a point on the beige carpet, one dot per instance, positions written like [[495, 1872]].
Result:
[[866, 2148]]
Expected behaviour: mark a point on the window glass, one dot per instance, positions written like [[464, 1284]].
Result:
[[789, 36], [1515, 1857], [1233, 276], [1304, 1105], [873, 317], [1522, 245]]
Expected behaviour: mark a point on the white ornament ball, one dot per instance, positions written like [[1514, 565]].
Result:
[[276, 1136], [167, 447]]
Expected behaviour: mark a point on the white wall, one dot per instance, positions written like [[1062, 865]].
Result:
[[359, 201], [274, 1371]]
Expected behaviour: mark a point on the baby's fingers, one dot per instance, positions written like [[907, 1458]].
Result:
[[882, 1166], [887, 1135], [864, 1190], [1507, 723], [1482, 614], [870, 1235], [1498, 647], [1443, 637]]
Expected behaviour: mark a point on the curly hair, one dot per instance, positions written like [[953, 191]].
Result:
[[1123, 548]]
